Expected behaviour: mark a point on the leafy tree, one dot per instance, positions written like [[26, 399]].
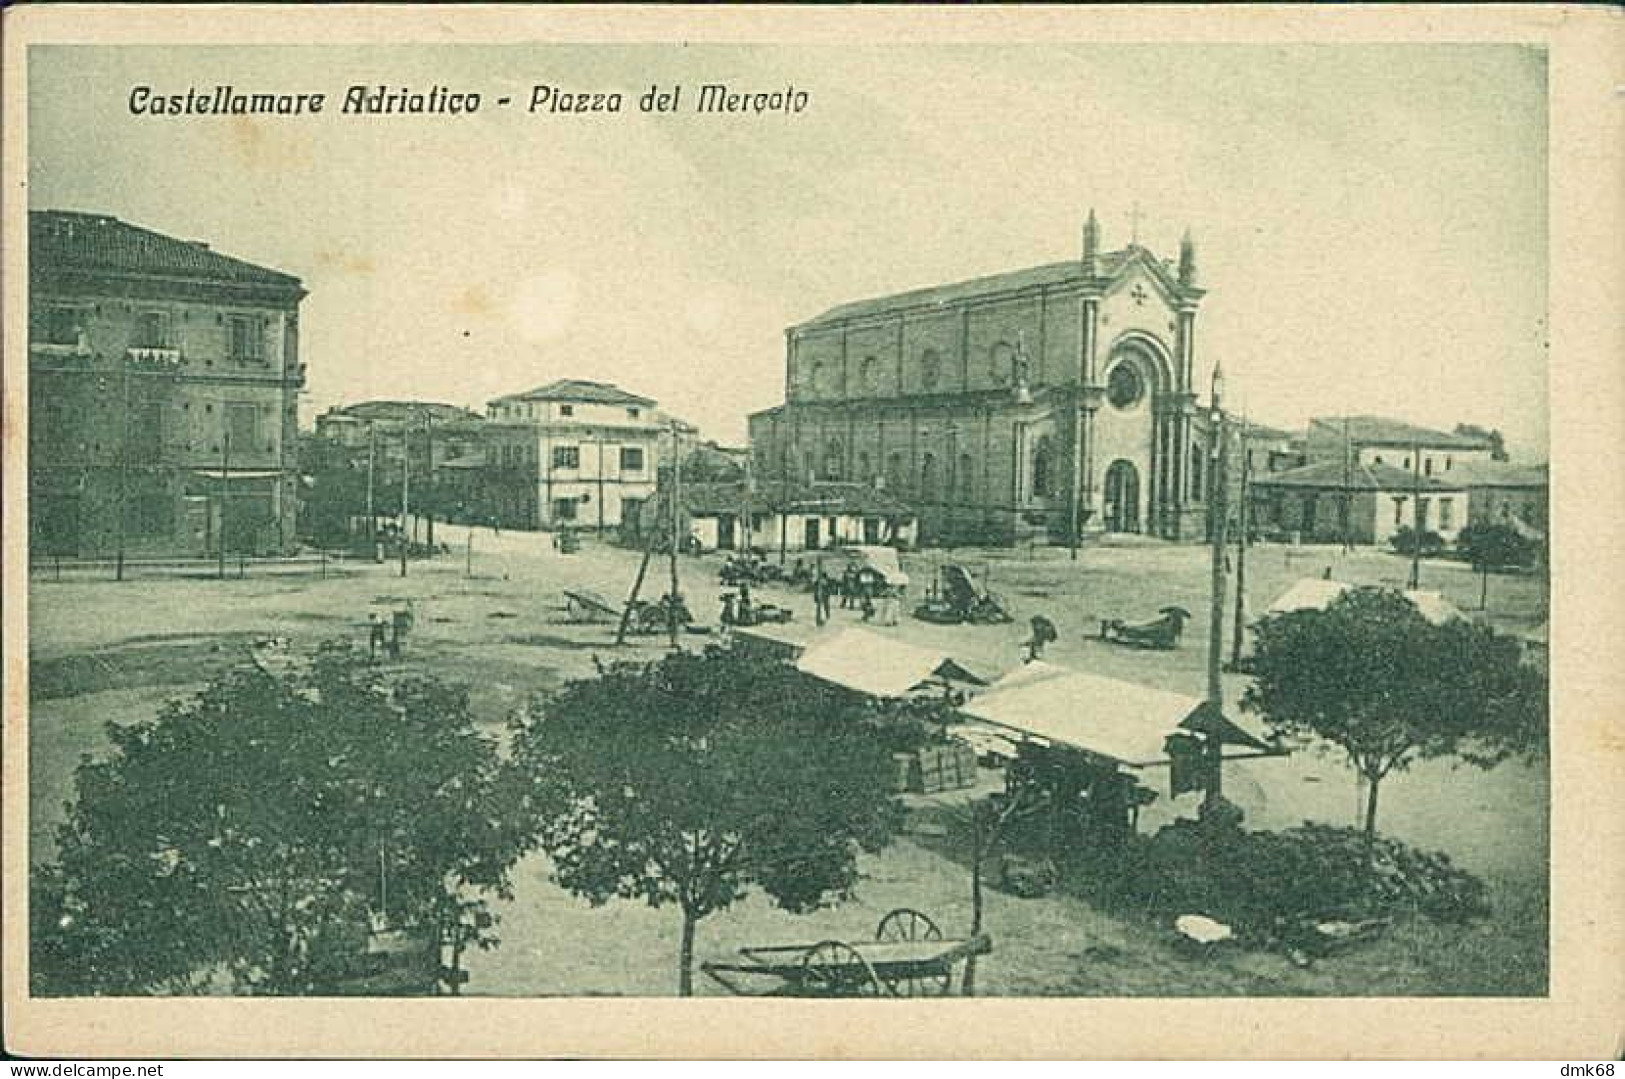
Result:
[[266, 826], [692, 779], [1491, 547], [1497, 441], [1405, 539], [1373, 677]]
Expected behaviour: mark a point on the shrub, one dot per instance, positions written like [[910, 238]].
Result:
[[1404, 541], [1273, 887]]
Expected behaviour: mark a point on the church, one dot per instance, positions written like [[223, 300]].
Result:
[[1038, 405]]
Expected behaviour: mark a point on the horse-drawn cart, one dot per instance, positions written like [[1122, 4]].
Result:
[[909, 957]]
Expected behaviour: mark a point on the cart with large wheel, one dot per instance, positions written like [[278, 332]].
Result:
[[909, 957]]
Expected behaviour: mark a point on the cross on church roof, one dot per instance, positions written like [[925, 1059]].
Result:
[[1134, 216]]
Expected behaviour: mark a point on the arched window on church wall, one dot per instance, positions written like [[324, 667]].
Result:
[[928, 478], [1044, 478], [834, 461], [896, 478]]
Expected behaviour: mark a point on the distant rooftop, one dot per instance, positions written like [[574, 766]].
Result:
[[1499, 474], [1109, 265], [69, 240], [1383, 431], [582, 390], [829, 497], [396, 411], [1339, 476]]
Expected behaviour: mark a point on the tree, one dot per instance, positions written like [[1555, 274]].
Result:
[[1491, 547], [1373, 677], [689, 780], [1494, 438], [1405, 539], [266, 826]]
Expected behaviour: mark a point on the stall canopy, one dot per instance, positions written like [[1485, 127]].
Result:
[[880, 666], [1120, 721], [1315, 594]]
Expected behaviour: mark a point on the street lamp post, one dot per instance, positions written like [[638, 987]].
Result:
[[1217, 510]]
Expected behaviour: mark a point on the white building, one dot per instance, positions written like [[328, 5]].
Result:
[[583, 454], [794, 517]]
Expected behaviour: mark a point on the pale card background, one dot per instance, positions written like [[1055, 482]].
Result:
[[695, 282]]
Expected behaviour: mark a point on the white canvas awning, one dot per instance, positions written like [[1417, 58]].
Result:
[[878, 665], [1121, 721], [1316, 594]]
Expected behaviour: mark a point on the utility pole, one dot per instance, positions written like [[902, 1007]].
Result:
[[784, 502], [1418, 518], [1242, 540], [1348, 486], [433, 492], [744, 542], [372, 457], [1217, 510], [123, 467], [600, 483], [225, 494], [676, 530], [406, 483]]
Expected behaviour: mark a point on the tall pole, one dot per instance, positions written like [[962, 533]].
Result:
[[676, 530], [433, 493], [745, 537], [406, 483], [225, 495], [372, 458], [1217, 509], [123, 468], [784, 495], [1242, 539], [600, 483], [1418, 520], [1348, 486]]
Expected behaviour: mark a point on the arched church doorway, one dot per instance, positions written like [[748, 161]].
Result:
[[1122, 497]]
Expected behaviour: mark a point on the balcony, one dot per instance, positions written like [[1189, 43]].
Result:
[[152, 358], [74, 355]]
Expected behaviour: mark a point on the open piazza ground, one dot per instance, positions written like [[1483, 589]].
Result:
[[106, 651]]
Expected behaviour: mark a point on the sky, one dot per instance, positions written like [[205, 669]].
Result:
[[1370, 220]]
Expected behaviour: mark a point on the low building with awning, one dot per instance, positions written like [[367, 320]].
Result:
[[801, 517]]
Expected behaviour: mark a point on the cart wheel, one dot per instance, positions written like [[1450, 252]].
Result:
[[835, 969], [905, 923]]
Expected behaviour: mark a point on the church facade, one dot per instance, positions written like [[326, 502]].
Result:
[[1042, 404]]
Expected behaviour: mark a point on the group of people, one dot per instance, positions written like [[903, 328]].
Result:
[[388, 635], [859, 588]]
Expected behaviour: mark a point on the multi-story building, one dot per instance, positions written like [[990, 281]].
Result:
[[575, 453], [1378, 440], [1047, 401], [448, 431], [1365, 502], [163, 387]]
